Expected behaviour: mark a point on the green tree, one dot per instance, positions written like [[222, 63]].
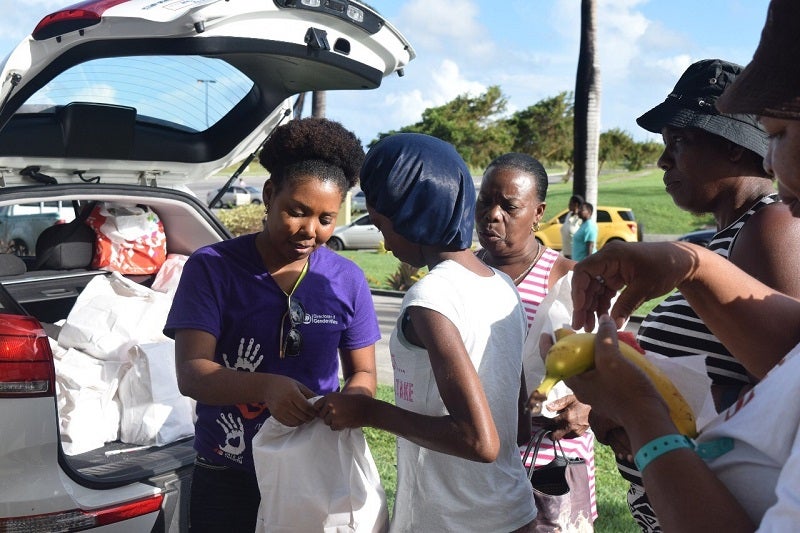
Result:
[[471, 124], [615, 145], [544, 130], [642, 154]]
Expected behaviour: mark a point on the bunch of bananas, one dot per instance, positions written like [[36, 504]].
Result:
[[573, 354]]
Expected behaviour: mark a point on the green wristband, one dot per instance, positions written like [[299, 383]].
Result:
[[658, 447]]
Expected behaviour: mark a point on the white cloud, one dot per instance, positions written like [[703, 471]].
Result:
[[446, 28]]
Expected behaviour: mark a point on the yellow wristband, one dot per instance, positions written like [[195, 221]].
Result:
[[658, 447]]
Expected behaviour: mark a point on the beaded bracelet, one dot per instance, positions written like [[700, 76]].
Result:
[[658, 447]]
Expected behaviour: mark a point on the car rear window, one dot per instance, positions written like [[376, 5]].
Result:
[[191, 92], [626, 215]]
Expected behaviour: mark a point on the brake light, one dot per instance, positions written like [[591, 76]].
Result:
[[26, 361], [74, 18], [632, 226], [78, 520]]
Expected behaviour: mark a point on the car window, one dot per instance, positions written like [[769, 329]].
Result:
[[191, 92], [603, 216], [563, 217], [363, 221], [626, 215]]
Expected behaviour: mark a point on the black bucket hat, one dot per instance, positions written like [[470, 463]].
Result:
[[691, 104]]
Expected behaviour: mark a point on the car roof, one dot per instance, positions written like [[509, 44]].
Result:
[[136, 91]]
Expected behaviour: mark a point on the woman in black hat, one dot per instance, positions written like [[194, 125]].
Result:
[[713, 163], [741, 472]]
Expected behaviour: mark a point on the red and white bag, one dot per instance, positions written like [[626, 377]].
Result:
[[130, 239]]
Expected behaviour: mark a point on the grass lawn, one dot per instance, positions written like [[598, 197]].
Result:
[[611, 489]]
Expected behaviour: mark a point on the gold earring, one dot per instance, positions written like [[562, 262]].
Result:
[[535, 227], [266, 209]]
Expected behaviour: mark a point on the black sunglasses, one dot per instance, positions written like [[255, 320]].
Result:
[[293, 342]]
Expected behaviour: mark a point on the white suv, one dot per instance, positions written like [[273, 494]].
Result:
[[123, 102]]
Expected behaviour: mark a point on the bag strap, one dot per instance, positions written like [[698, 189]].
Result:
[[74, 225], [535, 443]]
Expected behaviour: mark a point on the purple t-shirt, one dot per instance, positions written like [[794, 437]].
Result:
[[226, 291]]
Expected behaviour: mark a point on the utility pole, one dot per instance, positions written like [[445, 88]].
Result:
[[205, 83]]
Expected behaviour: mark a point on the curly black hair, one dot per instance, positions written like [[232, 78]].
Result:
[[313, 147]]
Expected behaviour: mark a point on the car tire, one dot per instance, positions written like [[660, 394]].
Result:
[[539, 241], [256, 202], [640, 231], [335, 244]]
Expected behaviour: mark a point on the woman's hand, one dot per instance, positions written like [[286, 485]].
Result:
[[287, 401], [572, 419], [645, 270], [611, 434], [340, 411], [616, 388]]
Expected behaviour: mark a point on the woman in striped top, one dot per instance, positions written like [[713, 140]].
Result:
[[713, 163], [511, 203]]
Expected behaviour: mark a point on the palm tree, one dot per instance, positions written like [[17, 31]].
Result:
[[318, 104], [586, 135]]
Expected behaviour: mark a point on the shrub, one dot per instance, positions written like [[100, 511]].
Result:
[[405, 276], [242, 219]]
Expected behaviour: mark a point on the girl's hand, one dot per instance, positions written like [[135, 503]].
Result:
[[340, 411]]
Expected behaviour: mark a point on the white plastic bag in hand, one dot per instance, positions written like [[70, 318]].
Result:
[[313, 479]]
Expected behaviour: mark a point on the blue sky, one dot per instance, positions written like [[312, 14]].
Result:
[[527, 47]]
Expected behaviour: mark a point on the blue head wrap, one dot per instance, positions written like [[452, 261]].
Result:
[[423, 186]]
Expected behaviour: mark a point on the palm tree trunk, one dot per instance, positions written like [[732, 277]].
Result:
[[586, 136], [318, 104]]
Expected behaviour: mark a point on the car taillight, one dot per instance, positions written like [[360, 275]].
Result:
[[632, 226], [78, 520], [73, 18], [26, 361]]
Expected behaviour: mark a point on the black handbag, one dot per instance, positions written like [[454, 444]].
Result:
[[560, 489]]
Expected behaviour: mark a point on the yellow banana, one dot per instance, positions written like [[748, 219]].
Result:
[[573, 354]]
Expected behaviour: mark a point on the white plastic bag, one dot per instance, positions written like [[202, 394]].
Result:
[[169, 274], [313, 479], [154, 412], [88, 411], [111, 315]]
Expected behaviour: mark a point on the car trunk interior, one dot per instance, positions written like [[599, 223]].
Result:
[[50, 294]]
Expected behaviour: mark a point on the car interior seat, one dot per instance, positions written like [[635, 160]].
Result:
[[66, 246]]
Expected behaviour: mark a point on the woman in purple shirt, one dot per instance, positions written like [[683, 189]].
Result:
[[261, 320]]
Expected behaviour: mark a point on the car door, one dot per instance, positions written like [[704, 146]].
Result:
[[364, 234]]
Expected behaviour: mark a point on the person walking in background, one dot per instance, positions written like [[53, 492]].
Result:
[[456, 351], [713, 163], [511, 203], [585, 238], [571, 224], [245, 345]]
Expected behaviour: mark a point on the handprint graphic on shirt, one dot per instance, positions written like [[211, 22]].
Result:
[[234, 433], [247, 359]]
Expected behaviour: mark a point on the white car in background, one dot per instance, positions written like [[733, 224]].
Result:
[[233, 196], [361, 234], [127, 101]]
